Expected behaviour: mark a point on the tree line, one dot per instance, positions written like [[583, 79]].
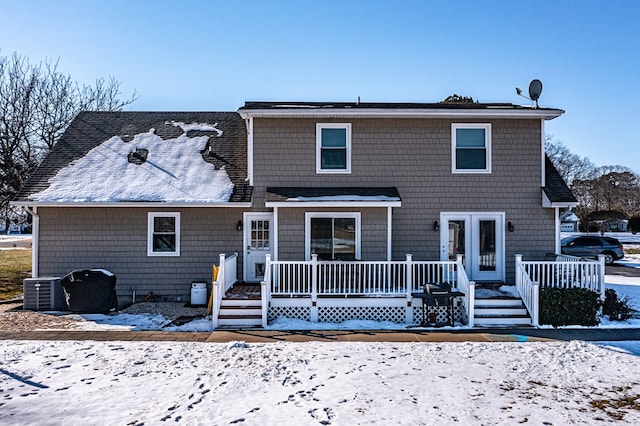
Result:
[[37, 103], [605, 194]]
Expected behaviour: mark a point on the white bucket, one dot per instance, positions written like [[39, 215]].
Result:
[[198, 293]]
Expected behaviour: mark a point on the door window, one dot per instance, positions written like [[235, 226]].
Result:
[[487, 246], [456, 238], [260, 234]]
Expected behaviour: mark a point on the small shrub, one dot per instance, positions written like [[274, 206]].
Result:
[[616, 309], [569, 306]]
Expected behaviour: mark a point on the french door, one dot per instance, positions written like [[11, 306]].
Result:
[[479, 238], [258, 242]]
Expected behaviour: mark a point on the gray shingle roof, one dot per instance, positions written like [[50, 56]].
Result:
[[280, 194], [555, 187], [252, 105], [90, 129]]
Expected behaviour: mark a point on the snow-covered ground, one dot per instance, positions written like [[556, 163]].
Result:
[[136, 383], [342, 383]]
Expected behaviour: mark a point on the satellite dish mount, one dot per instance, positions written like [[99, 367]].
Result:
[[535, 89]]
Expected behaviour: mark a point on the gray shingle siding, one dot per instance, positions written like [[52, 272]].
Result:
[[291, 232], [414, 155], [116, 239]]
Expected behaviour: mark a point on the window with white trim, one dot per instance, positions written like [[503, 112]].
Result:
[[471, 148], [333, 148], [163, 234], [333, 236]]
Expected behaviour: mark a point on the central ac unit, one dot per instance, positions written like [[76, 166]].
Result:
[[44, 294]]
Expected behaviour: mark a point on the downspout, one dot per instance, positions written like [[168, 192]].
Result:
[[556, 213], [544, 154], [35, 234]]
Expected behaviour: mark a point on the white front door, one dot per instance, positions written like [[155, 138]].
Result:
[[258, 242], [479, 238]]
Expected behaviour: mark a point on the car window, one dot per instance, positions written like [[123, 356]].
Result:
[[589, 241]]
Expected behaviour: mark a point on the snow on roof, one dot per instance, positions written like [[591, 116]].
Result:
[[174, 171], [345, 198], [203, 127]]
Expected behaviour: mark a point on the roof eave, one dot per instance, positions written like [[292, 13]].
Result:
[[316, 204], [128, 204], [545, 114], [547, 203]]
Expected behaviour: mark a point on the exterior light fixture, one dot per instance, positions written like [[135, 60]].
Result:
[[510, 226], [436, 225], [239, 225]]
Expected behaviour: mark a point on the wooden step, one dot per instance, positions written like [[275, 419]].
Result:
[[500, 312], [510, 320], [240, 311], [241, 302], [236, 321]]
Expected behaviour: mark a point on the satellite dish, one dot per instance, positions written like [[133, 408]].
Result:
[[535, 88]]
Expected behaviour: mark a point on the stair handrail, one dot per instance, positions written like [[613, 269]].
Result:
[[529, 291], [467, 287], [227, 277], [265, 294]]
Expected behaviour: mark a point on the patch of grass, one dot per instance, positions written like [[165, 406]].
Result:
[[616, 408], [631, 250], [15, 265]]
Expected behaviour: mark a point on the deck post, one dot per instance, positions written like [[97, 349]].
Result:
[[264, 293], [459, 268], [314, 277], [601, 275], [518, 277], [536, 304], [408, 273], [472, 301], [314, 288]]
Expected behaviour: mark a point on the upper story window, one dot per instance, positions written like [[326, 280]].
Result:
[[471, 148], [163, 234], [333, 148]]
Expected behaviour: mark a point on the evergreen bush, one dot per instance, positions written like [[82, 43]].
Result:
[[569, 306]]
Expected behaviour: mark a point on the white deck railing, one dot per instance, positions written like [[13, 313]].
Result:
[[227, 277], [357, 278], [529, 290], [564, 272], [315, 278]]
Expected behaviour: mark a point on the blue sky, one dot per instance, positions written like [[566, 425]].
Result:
[[214, 55]]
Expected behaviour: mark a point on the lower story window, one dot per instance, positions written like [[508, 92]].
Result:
[[333, 236], [163, 234]]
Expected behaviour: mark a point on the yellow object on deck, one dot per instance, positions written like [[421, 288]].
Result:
[[214, 277]]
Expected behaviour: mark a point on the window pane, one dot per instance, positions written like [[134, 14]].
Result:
[[321, 237], [471, 159], [164, 243], [164, 224], [456, 239], [487, 238], [334, 159], [470, 138], [344, 238], [334, 138]]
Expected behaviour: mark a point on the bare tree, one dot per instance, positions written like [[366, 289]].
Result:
[[570, 166], [37, 103]]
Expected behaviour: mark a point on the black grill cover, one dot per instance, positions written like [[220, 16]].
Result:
[[90, 291]]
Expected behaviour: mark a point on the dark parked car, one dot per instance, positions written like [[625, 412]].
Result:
[[591, 246]]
